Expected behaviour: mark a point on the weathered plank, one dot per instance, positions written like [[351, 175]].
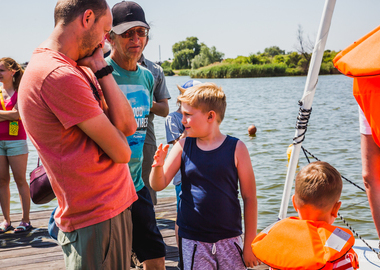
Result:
[[36, 250]]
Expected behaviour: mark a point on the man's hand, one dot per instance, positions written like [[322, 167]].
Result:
[[96, 61]]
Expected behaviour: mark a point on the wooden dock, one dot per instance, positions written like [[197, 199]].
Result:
[[36, 250]]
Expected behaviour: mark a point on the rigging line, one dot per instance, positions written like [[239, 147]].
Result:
[[302, 121], [349, 226], [303, 149], [351, 182]]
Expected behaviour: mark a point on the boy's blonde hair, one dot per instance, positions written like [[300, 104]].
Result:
[[206, 97], [318, 184]]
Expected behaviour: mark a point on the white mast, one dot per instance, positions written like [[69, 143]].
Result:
[[307, 100]]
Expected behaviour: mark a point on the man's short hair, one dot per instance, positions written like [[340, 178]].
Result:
[[67, 11], [205, 96], [318, 184]]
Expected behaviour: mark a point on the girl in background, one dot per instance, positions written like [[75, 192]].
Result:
[[13, 146]]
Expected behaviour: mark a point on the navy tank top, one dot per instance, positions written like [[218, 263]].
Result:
[[209, 208]]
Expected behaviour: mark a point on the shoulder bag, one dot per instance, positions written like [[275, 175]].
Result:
[[40, 187]]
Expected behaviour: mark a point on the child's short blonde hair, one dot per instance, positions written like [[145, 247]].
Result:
[[206, 97], [318, 184]]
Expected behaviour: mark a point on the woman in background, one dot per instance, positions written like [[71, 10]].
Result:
[[13, 146]]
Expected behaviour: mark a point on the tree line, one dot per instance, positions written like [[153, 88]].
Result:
[[199, 61]]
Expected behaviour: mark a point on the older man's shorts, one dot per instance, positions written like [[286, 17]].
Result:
[[147, 241]]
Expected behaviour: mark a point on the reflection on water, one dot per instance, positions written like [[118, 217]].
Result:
[[271, 105]]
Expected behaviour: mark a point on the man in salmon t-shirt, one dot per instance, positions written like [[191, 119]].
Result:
[[79, 126]]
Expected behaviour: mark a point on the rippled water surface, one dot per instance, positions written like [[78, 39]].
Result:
[[271, 105]]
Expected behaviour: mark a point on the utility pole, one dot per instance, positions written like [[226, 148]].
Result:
[[159, 51]]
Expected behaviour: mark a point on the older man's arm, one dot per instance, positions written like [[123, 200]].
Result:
[[160, 107]]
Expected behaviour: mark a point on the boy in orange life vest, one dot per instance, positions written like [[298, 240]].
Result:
[[310, 241]]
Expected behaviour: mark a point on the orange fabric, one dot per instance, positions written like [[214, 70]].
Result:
[[361, 59], [302, 244], [367, 94]]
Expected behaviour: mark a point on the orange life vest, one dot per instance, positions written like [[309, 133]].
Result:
[[361, 61], [292, 243]]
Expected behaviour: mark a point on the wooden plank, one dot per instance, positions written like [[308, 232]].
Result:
[[56, 265], [38, 251], [42, 257]]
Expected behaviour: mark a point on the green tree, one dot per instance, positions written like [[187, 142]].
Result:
[[206, 57], [190, 43], [254, 59], [279, 59], [264, 59], [328, 56], [166, 64], [182, 59], [274, 50], [184, 51], [293, 59]]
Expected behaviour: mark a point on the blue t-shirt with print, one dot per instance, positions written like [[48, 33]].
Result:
[[137, 86]]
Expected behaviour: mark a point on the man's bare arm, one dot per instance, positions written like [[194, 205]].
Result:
[[118, 108], [160, 107], [110, 139]]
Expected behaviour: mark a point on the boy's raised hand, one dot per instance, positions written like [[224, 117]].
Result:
[[159, 157]]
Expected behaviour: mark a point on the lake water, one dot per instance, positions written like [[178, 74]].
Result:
[[271, 105]]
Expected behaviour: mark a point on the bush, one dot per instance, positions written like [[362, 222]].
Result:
[[297, 71], [184, 72], [168, 72], [166, 65], [226, 70], [326, 68]]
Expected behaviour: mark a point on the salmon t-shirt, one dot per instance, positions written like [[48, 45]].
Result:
[[55, 96]]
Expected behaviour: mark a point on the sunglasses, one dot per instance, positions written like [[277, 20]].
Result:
[[141, 32]]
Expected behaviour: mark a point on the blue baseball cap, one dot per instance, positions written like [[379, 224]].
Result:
[[190, 83]]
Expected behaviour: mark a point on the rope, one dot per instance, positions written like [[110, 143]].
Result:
[[352, 229], [302, 121], [356, 185], [341, 217]]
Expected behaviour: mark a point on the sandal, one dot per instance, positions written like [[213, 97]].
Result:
[[23, 227], [4, 227]]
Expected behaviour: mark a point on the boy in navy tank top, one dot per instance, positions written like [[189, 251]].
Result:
[[212, 165]]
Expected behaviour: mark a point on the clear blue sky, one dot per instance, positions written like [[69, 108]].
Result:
[[237, 27]]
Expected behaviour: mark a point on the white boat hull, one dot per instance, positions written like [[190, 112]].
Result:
[[368, 260]]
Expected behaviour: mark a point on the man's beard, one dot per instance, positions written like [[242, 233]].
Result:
[[88, 46]]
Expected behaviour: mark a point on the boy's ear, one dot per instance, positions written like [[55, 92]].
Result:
[[335, 209], [294, 203], [211, 115], [182, 90]]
